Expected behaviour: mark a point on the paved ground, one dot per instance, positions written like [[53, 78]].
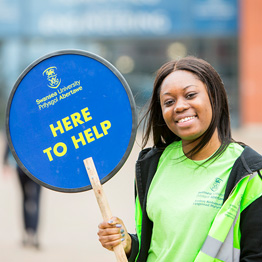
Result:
[[68, 222]]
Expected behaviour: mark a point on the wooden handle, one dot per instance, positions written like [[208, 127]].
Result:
[[102, 202]]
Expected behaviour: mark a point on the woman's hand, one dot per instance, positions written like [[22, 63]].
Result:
[[113, 232]]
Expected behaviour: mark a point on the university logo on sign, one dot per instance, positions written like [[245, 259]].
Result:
[[51, 75]]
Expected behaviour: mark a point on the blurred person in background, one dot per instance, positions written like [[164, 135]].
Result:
[[30, 202], [198, 192]]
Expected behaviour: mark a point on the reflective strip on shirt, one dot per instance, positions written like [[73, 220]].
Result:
[[224, 251]]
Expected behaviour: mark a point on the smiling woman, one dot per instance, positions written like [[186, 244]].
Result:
[[204, 89], [186, 107], [198, 192]]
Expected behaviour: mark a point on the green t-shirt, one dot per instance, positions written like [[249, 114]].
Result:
[[183, 200]]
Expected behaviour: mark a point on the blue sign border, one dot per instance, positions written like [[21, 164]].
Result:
[[131, 101]]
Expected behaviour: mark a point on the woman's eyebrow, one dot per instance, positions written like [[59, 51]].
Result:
[[184, 88], [188, 86]]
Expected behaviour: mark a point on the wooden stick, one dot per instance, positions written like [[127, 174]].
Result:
[[102, 202]]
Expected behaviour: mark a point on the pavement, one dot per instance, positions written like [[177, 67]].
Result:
[[68, 221]]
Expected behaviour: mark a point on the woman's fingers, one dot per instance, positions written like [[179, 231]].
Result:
[[111, 233], [109, 242]]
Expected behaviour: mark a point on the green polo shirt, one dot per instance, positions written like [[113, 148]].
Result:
[[183, 199]]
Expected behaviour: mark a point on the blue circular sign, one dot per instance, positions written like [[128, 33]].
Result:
[[65, 107]]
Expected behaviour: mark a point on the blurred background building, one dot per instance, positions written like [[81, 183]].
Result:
[[137, 36]]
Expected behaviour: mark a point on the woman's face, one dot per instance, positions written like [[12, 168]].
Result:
[[185, 105]]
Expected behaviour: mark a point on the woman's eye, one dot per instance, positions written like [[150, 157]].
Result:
[[191, 95], [168, 102]]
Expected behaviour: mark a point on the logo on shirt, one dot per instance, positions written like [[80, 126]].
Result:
[[216, 184]]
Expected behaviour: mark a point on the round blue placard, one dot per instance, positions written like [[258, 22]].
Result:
[[65, 107]]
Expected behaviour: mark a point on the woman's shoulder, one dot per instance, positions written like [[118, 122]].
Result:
[[173, 146], [150, 152], [244, 151], [248, 162], [235, 148], [251, 159]]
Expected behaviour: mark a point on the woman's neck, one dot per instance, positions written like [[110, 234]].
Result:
[[208, 150]]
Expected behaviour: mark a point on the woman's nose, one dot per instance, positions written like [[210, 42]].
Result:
[[181, 105]]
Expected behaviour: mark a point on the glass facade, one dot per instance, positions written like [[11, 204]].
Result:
[[152, 32]]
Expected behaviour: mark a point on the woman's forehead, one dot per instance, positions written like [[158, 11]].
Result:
[[181, 78]]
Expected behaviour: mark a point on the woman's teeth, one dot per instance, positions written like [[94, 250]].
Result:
[[185, 119]]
